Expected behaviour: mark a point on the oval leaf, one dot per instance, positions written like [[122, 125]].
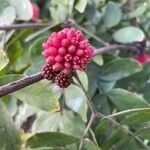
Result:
[[50, 139], [38, 95], [120, 68], [76, 100], [126, 100], [112, 15], [129, 34]]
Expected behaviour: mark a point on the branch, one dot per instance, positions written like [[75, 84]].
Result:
[[19, 84], [25, 25], [114, 47]]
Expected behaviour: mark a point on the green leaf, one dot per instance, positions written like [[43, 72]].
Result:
[[23, 9], [35, 49], [76, 100], [112, 15], [138, 11], [129, 34], [143, 133], [38, 95], [9, 78], [119, 68], [137, 118], [126, 100], [98, 59], [83, 78], [59, 121], [9, 136], [50, 139], [3, 59], [81, 5], [89, 145]]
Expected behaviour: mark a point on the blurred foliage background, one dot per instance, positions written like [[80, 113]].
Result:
[[42, 116]]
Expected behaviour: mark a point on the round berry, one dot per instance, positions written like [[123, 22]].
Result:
[[50, 60], [71, 49], [80, 52], [62, 51], [57, 67], [65, 43], [58, 58]]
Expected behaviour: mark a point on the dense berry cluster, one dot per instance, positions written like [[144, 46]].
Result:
[[65, 51]]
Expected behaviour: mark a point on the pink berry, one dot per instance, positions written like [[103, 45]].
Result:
[[80, 52], [61, 35], [62, 51], [50, 60], [76, 67], [57, 67], [67, 64], [56, 42], [45, 45], [67, 71], [71, 49], [58, 58], [142, 58], [68, 57], [52, 51], [65, 43]]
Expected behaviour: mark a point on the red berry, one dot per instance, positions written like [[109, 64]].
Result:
[[52, 51], [57, 67], [67, 64], [58, 58], [56, 42], [80, 52], [65, 43], [62, 51], [50, 60], [67, 71], [68, 57], [76, 67], [71, 49], [61, 35]]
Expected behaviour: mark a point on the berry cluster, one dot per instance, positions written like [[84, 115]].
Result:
[[66, 51]]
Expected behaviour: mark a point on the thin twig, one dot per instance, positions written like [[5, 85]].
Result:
[[98, 39], [92, 118], [91, 106], [24, 25], [19, 84], [114, 47]]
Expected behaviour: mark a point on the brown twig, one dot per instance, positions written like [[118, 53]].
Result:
[[114, 47], [19, 84], [24, 25]]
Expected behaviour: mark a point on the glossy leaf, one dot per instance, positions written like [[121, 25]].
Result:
[[38, 95], [50, 139], [128, 35], [120, 68], [76, 100], [112, 15], [126, 100], [59, 121]]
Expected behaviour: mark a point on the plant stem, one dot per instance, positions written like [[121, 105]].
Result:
[[24, 25], [19, 84]]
